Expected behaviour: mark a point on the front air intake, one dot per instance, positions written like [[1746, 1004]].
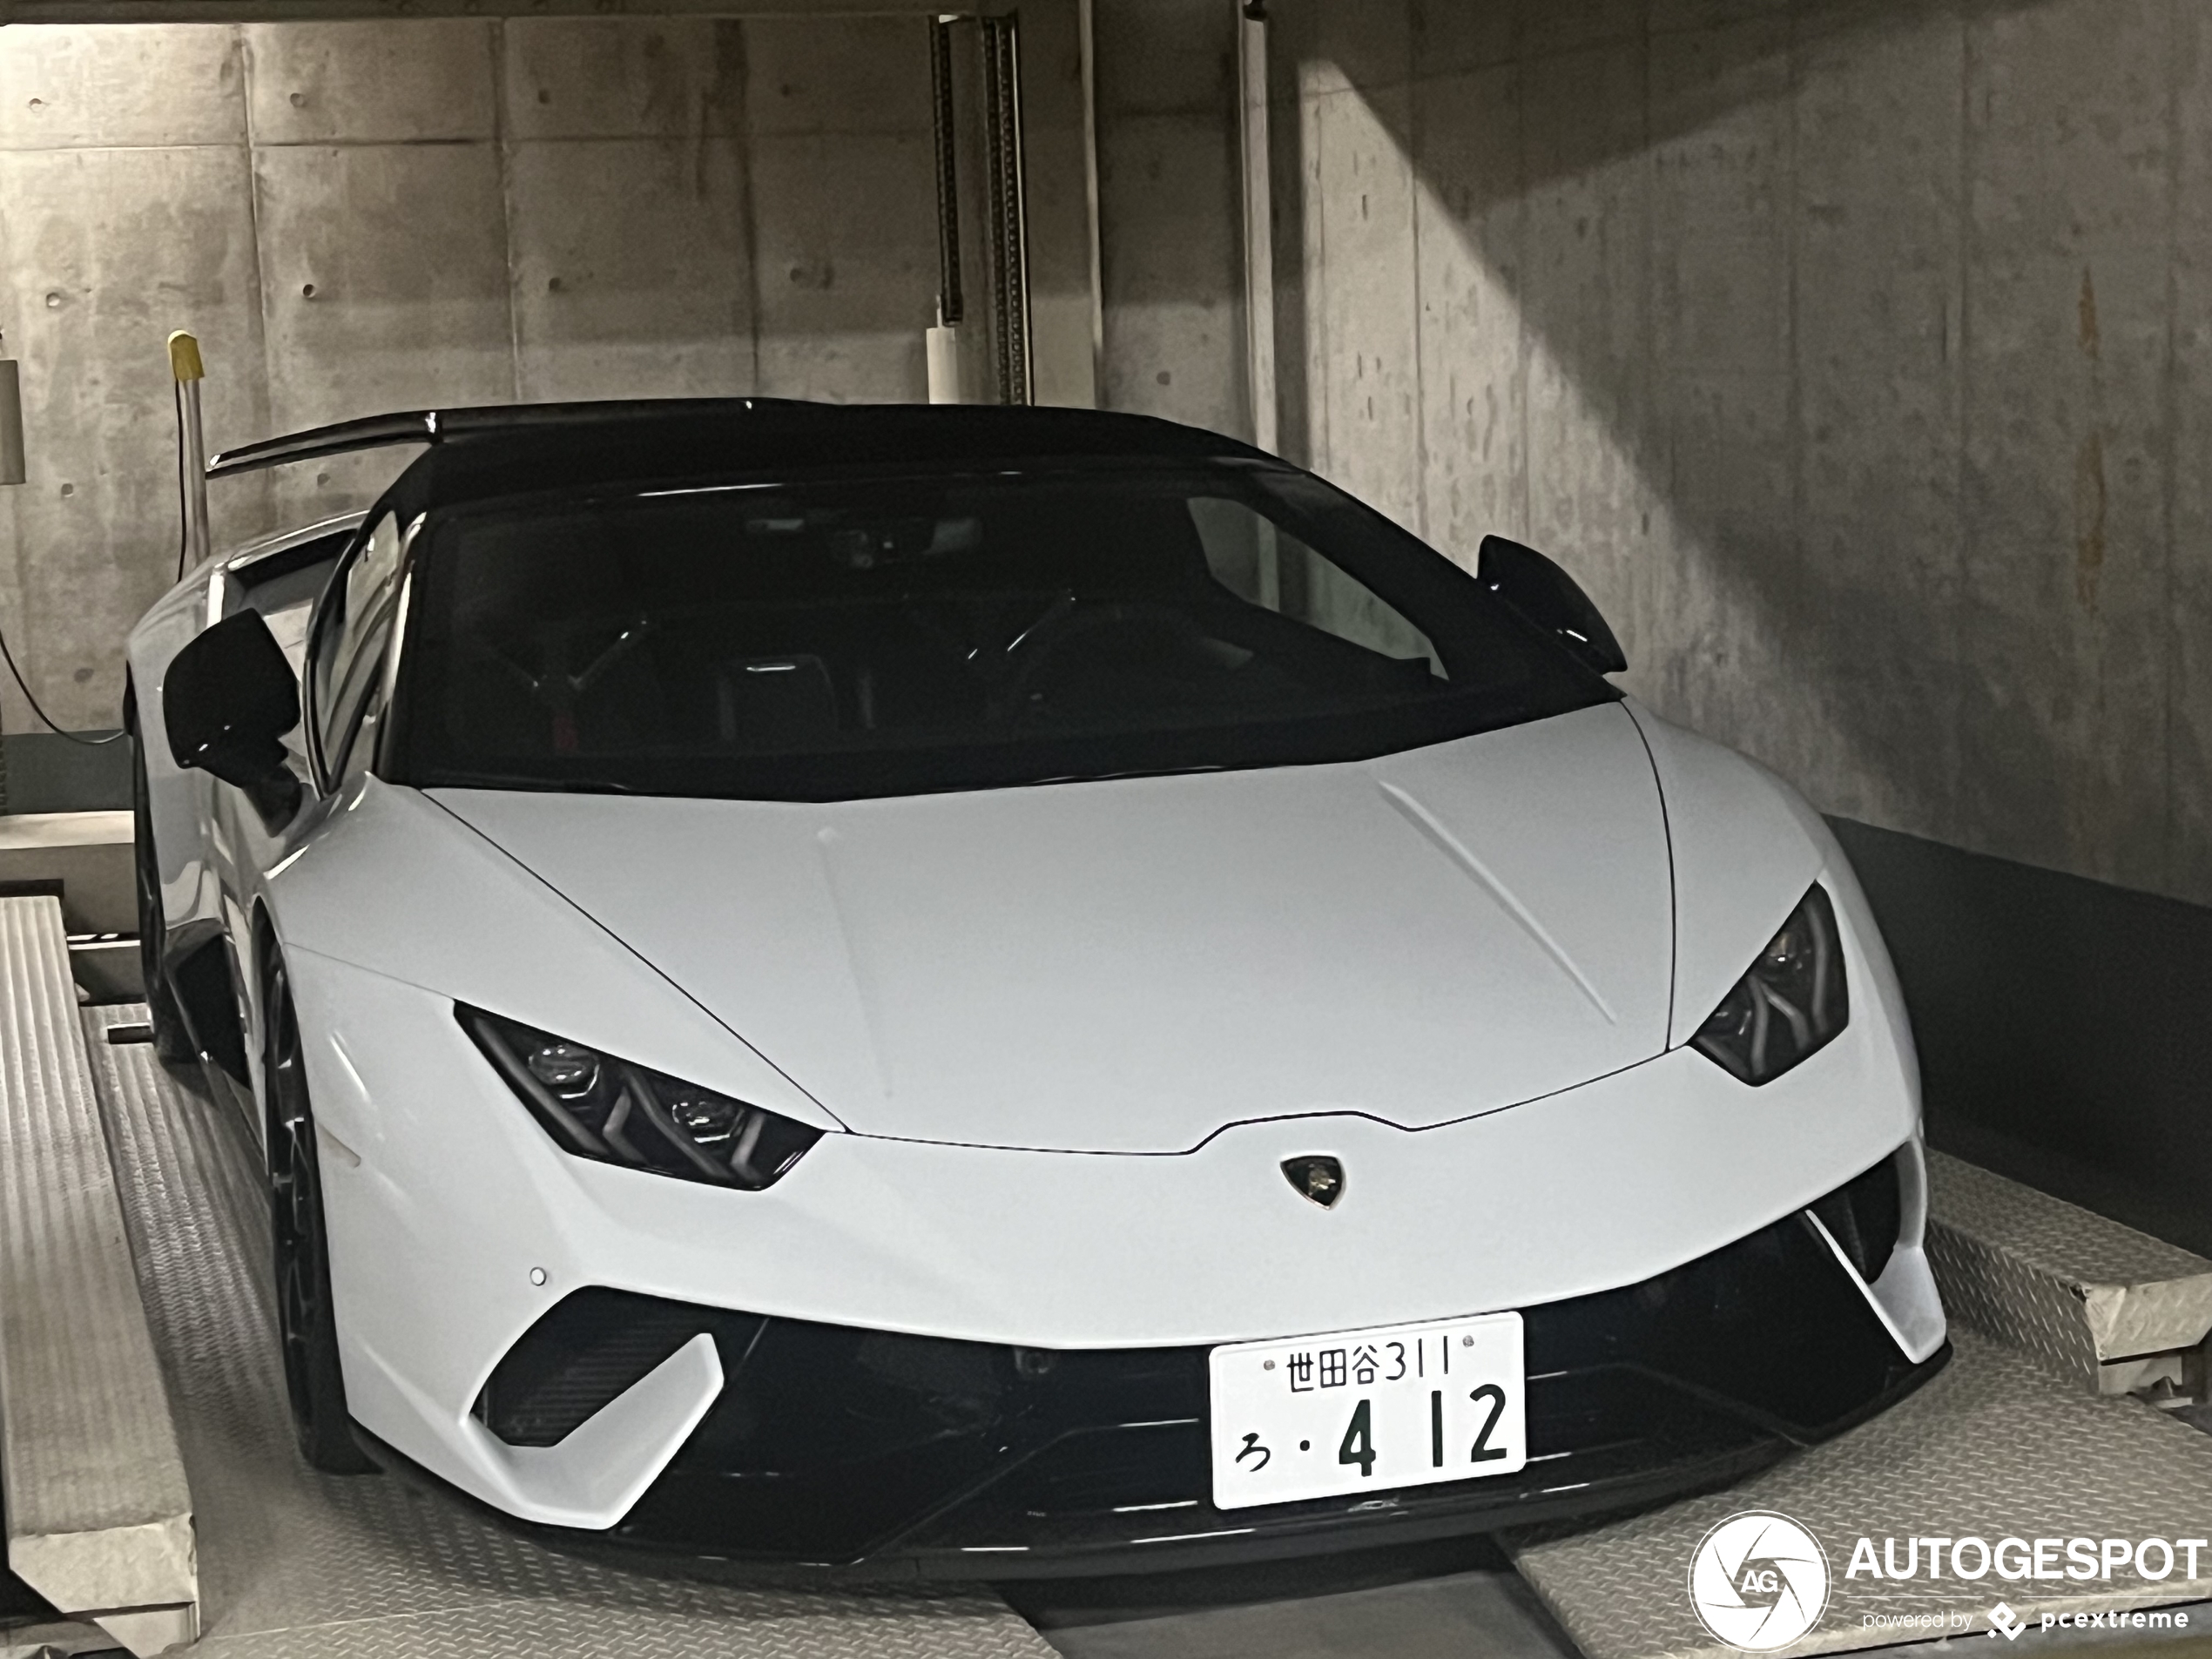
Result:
[[1864, 1216], [591, 1347]]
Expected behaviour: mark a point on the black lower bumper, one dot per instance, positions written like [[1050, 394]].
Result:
[[912, 1455]]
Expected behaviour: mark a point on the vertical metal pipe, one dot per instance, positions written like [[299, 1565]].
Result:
[[1259, 226], [184, 367]]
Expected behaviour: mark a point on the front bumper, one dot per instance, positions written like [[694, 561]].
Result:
[[835, 1446]]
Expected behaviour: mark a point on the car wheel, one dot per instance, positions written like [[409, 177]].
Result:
[[305, 1319], [171, 1039]]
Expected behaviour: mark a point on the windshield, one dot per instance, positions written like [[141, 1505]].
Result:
[[838, 637]]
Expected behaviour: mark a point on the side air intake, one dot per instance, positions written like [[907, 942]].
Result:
[[591, 1346]]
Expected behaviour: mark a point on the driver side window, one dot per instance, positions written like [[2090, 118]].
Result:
[[351, 638]]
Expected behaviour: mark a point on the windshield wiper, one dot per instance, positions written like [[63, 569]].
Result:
[[532, 780], [1110, 776]]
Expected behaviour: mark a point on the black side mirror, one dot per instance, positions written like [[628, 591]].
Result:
[[1547, 596], [227, 700]]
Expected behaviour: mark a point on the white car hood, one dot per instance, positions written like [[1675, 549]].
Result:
[[1129, 966]]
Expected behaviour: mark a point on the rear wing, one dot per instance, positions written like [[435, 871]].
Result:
[[437, 425]]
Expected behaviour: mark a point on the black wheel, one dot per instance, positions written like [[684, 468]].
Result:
[[171, 1040], [305, 1318]]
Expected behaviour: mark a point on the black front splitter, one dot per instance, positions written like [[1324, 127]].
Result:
[[868, 1455]]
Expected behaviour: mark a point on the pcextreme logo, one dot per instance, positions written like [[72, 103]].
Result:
[[1758, 1580]]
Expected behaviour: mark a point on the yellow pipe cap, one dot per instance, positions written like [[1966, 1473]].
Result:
[[184, 356]]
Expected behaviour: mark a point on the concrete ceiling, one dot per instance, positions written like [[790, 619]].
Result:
[[82, 11]]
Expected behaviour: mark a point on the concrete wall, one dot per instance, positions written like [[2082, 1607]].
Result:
[[1169, 214], [1854, 353], [358, 217]]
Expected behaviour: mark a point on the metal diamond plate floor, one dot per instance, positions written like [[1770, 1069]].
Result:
[[1997, 1445], [311, 1567], [2058, 1280]]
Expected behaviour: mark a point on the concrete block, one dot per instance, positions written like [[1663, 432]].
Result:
[[87, 301], [385, 287], [631, 274], [89, 854], [1672, 16], [1876, 281], [1366, 367], [122, 84], [853, 75], [624, 77], [1174, 314], [1451, 37], [1367, 45], [847, 234], [1163, 56], [404, 81], [2066, 472], [2188, 803], [1587, 306], [1721, 128], [1545, 28], [1721, 389], [1474, 353]]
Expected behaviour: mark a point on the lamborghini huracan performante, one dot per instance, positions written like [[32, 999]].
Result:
[[993, 990]]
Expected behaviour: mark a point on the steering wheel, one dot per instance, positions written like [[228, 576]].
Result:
[[557, 689]]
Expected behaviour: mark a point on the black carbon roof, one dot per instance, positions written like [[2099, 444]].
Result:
[[521, 448]]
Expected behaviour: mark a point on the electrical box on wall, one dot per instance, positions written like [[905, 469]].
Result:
[[12, 456]]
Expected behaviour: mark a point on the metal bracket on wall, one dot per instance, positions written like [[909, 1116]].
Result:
[[1009, 256]]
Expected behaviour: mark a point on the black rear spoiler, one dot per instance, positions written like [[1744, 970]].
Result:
[[437, 426]]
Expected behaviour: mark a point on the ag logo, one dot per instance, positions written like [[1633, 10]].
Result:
[[1759, 1582]]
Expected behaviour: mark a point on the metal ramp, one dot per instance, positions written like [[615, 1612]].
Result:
[[99, 1519]]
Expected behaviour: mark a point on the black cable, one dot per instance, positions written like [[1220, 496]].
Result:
[[44, 718], [24, 685]]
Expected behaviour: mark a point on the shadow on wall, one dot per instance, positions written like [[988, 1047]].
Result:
[[1851, 350]]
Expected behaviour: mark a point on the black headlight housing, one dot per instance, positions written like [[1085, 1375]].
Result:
[[1790, 1004], [597, 1106]]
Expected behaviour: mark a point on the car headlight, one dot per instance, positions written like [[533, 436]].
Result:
[[597, 1106], [1791, 1003]]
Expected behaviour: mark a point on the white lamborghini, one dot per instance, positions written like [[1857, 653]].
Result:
[[1001, 990]]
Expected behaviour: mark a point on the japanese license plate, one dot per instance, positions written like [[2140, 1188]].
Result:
[[1367, 1411]]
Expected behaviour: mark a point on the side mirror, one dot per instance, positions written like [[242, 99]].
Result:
[[1547, 596], [227, 700]]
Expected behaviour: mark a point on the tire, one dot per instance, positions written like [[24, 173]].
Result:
[[307, 1322], [172, 1039]]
